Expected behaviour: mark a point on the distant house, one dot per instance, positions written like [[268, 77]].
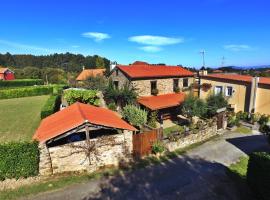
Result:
[[160, 87], [244, 92], [217, 71], [6, 74], [65, 136], [87, 73]]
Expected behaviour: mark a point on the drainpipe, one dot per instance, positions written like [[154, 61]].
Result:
[[253, 95]]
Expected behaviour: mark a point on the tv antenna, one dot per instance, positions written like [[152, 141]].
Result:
[[203, 53], [223, 61]]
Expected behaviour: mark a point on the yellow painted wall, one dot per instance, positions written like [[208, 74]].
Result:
[[263, 101], [238, 97]]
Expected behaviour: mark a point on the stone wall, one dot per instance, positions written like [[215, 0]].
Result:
[[73, 157], [191, 138]]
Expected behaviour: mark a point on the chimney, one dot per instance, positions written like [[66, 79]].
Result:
[[112, 65], [253, 94], [83, 68]]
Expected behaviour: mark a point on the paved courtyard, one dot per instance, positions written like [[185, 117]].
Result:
[[199, 174]]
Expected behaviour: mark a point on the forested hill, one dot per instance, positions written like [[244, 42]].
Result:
[[68, 61]]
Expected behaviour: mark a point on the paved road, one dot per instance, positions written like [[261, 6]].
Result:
[[200, 174]]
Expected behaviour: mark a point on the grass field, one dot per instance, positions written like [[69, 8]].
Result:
[[20, 117]]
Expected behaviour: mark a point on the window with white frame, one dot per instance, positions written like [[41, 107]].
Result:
[[218, 90], [229, 91]]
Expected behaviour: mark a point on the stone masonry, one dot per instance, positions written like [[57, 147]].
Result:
[[73, 157]]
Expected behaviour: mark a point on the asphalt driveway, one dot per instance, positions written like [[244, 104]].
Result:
[[199, 174]]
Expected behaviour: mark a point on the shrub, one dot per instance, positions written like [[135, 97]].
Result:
[[134, 115], [152, 121], [51, 106], [193, 106], [25, 92], [21, 83], [242, 115], [158, 147], [123, 96], [83, 96], [19, 159], [258, 174], [215, 102], [112, 106], [264, 119], [254, 117]]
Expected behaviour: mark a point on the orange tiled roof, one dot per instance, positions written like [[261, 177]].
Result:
[[238, 77], [162, 101], [87, 73], [138, 70], [74, 116], [235, 77], [3, 70], [264, 80]]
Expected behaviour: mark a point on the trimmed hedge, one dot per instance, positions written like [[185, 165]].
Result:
[[19, 159], [21, 82], [26, 92], [258, 174], [51, 106]]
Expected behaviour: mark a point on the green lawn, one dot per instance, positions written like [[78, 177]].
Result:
[[169, 130], [20, 117], [244, 130], [240, 168]]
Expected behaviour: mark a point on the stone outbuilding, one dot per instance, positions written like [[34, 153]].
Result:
[[83, 138]]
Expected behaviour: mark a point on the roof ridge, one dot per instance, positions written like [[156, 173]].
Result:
[[81, 111]]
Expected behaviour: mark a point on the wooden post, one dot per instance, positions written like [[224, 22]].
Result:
[[88, 142]]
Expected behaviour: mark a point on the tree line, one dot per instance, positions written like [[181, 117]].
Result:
[[65, 61]]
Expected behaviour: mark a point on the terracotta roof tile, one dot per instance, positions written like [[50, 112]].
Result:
[[147, 71], [235, 77], [238, 77], [87, 73], [74, 116], [162, 101]]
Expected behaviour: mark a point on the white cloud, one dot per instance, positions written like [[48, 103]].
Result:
[[155, 40], [237, 47], [96, 36], [151, 49], [26, 46]]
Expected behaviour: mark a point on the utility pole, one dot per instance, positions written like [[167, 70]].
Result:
[[203, 53]]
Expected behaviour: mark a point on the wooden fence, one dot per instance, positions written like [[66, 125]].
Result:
[[142, 142]]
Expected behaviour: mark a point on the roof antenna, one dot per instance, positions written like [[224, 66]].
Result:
[[203, 53], [223, 61]]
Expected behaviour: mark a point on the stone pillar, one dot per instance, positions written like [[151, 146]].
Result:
[[45, 163]]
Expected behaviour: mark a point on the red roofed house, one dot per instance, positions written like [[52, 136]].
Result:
[[64, 135], [160, 87], [244, 92], [6, 74], [88, 73]]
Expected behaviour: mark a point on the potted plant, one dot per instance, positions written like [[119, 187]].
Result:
[[154, 92]]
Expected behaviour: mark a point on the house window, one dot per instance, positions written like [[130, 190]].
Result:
[[116, 72], [153, 87], [116, 84], [218, 90], [185, 82], [175, 85], [229, 91]]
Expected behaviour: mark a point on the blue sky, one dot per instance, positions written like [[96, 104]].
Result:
[[171, 31]]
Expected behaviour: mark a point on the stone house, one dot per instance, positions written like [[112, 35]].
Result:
[[88, 73], [160, 87], [244, 92], [83, 138]]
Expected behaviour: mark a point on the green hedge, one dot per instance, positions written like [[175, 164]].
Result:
[[26, 92], [51, 106], [258, 174], [21, 83], [19, 159]]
